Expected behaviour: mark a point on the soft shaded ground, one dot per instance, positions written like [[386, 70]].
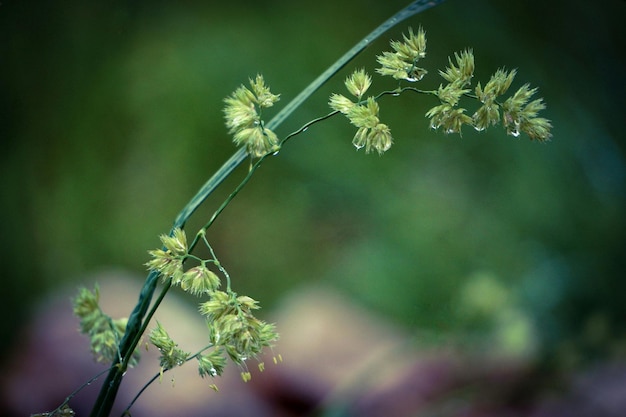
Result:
[[338, 359]]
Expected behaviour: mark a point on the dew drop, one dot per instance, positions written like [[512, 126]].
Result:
[[515, 131]]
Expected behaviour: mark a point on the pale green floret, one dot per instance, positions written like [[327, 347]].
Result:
[[176, 243], [393, 66], [340, 103], [258, 140], [451, 93], [168, 265], [199, 280], [497, 85], [520, 116], [212, 364], [365, 115], [380, 139], [376, 138], [533, 108], [413, 47], [358, 83], [171, 355], [537, 128], [370, 134], [217, 306], [402, 63], [463, 71], [262, 95], [488, 114], [449, 118]]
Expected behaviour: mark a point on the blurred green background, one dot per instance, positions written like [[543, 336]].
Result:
[[110, 119]]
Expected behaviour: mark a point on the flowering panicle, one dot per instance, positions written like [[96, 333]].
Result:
[[243, 117], [447, 114], [104, 332], [234, 332], [371, 134], [518, 115], [233, 326], [171, 355]]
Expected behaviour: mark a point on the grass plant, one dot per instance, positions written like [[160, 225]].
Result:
[[234, 332]]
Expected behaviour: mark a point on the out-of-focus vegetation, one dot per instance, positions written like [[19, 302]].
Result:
[[110, 119]]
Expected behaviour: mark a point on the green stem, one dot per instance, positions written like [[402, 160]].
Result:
[[134, 330], [247, 178], [217, 262], [234, 161], [137, 320], [399, 91]]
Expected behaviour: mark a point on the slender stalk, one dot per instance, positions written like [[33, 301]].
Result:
[[141, 391], [59, 410], [137, 320], [234, 161], [154, 378]]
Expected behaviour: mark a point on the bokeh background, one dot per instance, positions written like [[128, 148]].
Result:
[[110, 119]]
